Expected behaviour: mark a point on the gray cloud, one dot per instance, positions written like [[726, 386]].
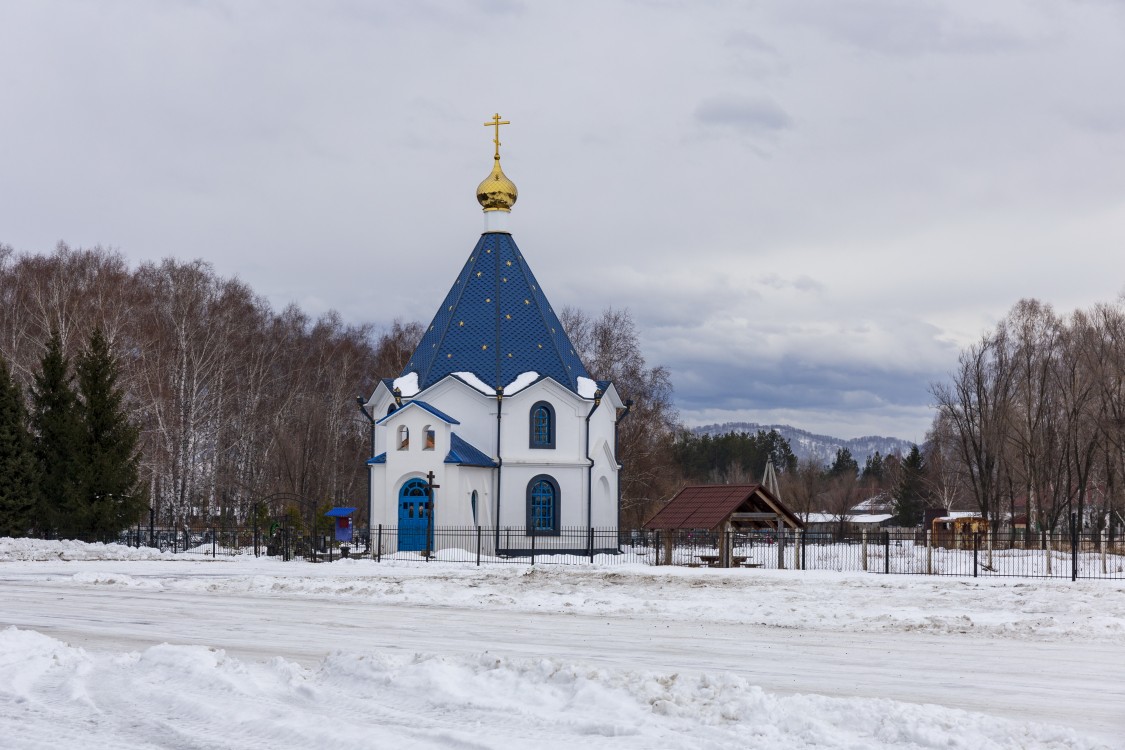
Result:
[[329, 155], [751, 115]]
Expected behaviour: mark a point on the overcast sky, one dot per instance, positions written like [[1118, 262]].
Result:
[[809, 207]]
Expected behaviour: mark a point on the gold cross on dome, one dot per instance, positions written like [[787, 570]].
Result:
[[496, 123]]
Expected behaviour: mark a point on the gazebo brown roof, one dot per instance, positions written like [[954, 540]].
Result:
[[709, 506]]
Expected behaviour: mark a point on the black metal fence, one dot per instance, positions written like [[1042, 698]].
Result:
[[1076, 554], [1070, 554]]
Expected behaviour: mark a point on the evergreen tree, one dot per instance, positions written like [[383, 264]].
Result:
[[873, 468], [109, 491], [58, 444], [910, 492], [843, 465], [18, 476]]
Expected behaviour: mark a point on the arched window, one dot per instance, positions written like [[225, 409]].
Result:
[[403, 438], [542, 506], [473, 502], [391, 409], [430, 438], [542, 425]]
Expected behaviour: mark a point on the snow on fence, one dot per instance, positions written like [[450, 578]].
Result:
[[1059, 555]]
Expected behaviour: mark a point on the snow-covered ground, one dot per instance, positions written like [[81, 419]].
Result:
[[111, 647]]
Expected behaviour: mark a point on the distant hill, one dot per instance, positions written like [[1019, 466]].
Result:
[[806, 444]]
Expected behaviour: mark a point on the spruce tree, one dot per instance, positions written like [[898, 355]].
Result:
[[910, 492], [18, 476], [109, 445], [58, 445]]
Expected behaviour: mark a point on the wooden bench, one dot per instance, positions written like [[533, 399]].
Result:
[[736, 561]]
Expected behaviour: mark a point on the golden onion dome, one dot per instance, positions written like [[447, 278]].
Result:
[[496, 192]]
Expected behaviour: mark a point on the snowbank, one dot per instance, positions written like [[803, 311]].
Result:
[[53, 695], [39, 549]]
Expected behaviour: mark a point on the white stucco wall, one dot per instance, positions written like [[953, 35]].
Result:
[[587, 494]]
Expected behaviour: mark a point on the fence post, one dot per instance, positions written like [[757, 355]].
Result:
[[214, 550], [976, 548], [532, 547], [591, 545], [379, 544], [989, 534], [1104, 568], [804, 547], [887, 552], [929, 553], [478, 546], [1074, 546], [780, 546], [863, 549], [1047, 542]]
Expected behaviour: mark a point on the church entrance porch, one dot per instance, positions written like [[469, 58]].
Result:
[[414, 508]]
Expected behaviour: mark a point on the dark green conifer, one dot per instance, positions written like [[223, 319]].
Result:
[[910, 492], [110, 443], [58, 431], [18, 477]]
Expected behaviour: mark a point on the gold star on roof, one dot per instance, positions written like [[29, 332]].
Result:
[[484, 346], [509, 317], [461, 323]]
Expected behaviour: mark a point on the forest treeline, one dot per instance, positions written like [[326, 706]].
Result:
[[234, 402], [1032, 420]]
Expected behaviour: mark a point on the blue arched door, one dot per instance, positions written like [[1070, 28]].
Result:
[[414, 510]]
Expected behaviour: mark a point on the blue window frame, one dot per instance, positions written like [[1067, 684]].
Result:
[[542, 506], [542, 424]]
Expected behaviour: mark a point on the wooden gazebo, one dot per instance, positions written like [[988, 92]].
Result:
[[722, 508]]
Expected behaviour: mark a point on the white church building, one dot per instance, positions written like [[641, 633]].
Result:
[[497, 408]]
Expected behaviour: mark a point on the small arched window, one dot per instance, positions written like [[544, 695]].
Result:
[[542, 425], [391, 409], [430, 437], [403, 438], [542, 506]]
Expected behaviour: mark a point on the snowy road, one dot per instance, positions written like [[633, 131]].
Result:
[[1054, 681]]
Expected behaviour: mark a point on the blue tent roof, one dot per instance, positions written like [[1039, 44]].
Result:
[[338, 512], [496, 323], [463, 453], [380, 459]]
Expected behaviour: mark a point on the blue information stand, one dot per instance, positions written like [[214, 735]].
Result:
[[343, 518]]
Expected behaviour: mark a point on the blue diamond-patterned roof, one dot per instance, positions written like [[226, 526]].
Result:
[[496, 323], [464, 453]]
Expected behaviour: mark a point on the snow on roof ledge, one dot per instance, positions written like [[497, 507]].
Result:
[[586, 387], [407, 384], [523, 380], [476, 382]]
